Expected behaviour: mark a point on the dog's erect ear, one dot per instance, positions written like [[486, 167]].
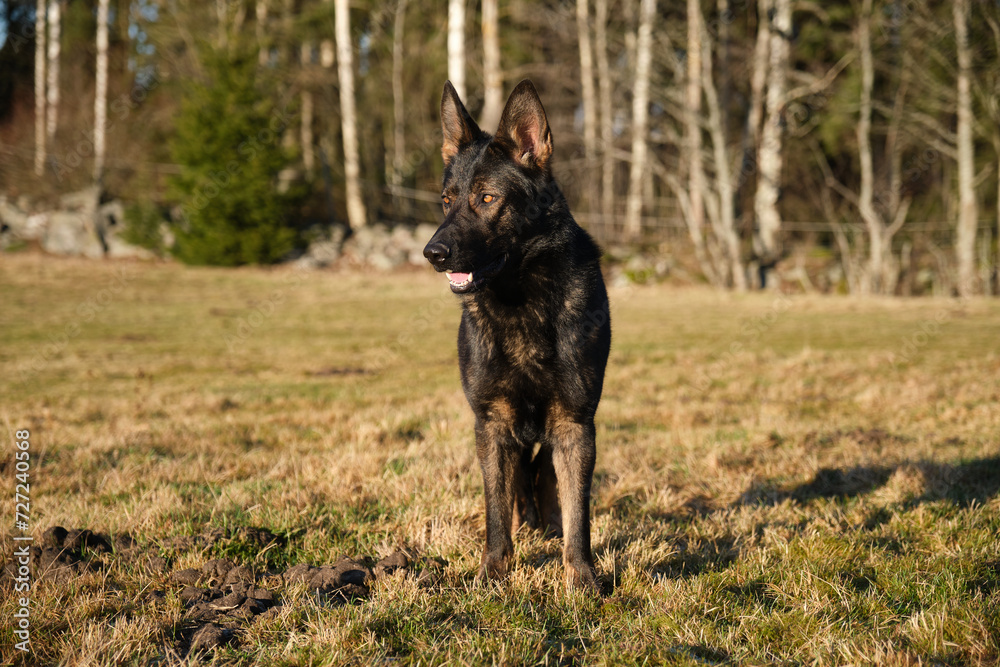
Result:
[[457, 125], [524, 124]]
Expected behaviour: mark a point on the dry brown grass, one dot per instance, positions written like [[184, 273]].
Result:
[[779, 479]]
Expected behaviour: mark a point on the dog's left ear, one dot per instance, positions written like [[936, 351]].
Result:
[[457, 126], [524, 124]]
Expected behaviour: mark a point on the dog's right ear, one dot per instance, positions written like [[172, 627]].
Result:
[[457, 125], [523, 124]]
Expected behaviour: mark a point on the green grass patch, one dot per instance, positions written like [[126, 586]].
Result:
[[780, 479]]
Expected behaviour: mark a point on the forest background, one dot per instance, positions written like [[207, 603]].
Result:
[[857, 142]]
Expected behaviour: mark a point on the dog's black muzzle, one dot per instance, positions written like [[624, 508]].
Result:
[[464, 275], [437, 254]]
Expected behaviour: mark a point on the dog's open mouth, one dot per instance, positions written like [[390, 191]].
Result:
[[463, 283]]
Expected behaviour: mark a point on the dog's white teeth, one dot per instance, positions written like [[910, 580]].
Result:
[[460, 283]]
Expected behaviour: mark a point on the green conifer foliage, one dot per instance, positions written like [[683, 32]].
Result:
[[228, 143]]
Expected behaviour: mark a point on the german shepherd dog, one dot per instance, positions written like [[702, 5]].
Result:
[[535, 331]]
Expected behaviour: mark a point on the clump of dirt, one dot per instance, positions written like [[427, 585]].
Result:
[[62, 555], [222, 597]]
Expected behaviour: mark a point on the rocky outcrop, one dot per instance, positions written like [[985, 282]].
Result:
[[376, 246], [80, 226]]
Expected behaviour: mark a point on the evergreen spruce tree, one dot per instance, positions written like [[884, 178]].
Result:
[[228, 144]]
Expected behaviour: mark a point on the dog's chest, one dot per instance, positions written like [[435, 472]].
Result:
[[518, 340]]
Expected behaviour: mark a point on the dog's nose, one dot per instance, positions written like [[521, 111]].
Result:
[[436, 252]]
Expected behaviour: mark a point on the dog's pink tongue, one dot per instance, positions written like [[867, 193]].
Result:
[[458, 277]]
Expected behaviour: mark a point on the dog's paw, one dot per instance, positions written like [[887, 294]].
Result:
[[492, 568], [582, 578]]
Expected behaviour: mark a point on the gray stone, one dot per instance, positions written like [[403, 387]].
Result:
[[13, 217], [69, 233], [325, 248], [110, 225]]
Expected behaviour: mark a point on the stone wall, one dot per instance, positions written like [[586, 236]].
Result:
[[79, 226]]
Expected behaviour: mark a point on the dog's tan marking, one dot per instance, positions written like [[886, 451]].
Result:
[[560, 426], [501, 410]]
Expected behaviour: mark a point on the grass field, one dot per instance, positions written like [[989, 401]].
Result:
[[780, 479]]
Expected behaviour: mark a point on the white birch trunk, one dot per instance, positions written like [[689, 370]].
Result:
[[965, 242], [692, 118], [101, 91], [356, 213], [724, 182], [222, 16], [308, 151], [40, 88], [759, 76], [306, 131], [866, 204], [587, 81], [52, 118], [607, 121], [456, 45], [640, 113], [327, 54], [398, 110], [263, 50], [492, 74], [769, 153]]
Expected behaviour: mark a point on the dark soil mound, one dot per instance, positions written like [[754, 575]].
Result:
[[222, 596]]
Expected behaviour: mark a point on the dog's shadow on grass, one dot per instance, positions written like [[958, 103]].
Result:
[[970, 482], [976, 481]]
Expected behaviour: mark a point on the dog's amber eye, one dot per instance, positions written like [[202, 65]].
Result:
[[488, 199], [446, 201]]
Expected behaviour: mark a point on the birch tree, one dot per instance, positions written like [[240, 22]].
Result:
[[604, 96], [692, 123], [492, 75], [398, 108], [866, 205], [263, 49], [769, 153], [52, 97], [101, 91], [587, 81], [965, 244], [456, 45], [758, 79], [640, 119], [327, 54], [40, 88], [356, 213], [721, 205], [716, 247], [306, 129], [880, 274]]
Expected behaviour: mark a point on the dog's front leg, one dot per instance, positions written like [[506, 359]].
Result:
[[573, 454], [499, 457]]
